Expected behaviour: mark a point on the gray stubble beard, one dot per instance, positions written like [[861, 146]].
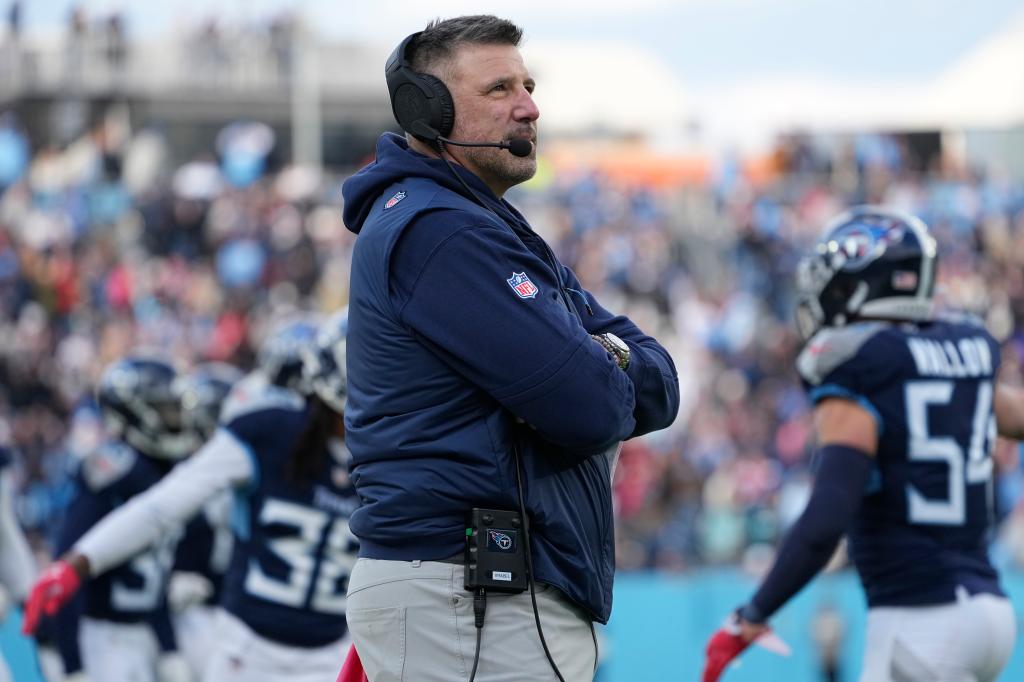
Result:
[[499, 163]]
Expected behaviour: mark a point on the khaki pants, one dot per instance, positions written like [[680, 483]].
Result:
[[412, 621]]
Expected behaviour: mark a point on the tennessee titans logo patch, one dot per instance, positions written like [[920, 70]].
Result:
[[522, 285], [501, 540], [394, 200]]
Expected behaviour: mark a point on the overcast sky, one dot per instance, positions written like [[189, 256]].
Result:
[[709, 43]]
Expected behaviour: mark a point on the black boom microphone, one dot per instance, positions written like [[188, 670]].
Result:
[[517, 147]]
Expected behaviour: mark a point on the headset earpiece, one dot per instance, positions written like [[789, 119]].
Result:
[[442, 105], [421, 103]]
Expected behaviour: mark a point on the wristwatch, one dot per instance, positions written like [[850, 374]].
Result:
[[616, 347]]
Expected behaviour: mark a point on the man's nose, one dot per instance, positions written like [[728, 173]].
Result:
[[526, 109]]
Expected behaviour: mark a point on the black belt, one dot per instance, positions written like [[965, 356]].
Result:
[[459, 559]]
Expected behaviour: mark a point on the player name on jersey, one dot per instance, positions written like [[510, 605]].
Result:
[[969, 357]]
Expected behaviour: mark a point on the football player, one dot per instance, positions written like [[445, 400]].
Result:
[[204, 551], [120, 628], [281, 451], [907, 407], [17, 567]]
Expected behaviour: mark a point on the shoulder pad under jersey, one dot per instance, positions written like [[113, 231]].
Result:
[[254, 394], [107, 464], [831, 347]]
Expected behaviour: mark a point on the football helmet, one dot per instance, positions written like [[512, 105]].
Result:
[[140, 407], [323, 365], [202, 392], [871, 262], [280, 355]]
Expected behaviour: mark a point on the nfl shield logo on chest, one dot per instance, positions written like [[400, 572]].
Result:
[[522, 285], [394, 200]]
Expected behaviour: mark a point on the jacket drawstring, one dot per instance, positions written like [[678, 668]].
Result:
[[586, 303]]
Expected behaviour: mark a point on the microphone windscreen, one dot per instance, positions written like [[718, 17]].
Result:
[[520, 147]]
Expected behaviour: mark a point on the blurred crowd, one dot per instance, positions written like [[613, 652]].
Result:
[[105, 246], [103, 249]]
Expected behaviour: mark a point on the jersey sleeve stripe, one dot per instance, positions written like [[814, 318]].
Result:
[[836, 391]]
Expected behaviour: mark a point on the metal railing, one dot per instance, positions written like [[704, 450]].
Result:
[[94, 65]]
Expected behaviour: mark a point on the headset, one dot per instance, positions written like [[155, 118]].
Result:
[[423, 105]]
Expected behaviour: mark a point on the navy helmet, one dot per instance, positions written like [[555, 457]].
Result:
[[140, 407], [280, 354], [871, 263], [324, 362], [202, 392]]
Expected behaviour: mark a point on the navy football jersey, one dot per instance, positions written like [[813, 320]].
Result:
[[135, 590], [924, 524], [293, 550]]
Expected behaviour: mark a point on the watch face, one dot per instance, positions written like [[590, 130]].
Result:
[[618, 348], [619, 344]]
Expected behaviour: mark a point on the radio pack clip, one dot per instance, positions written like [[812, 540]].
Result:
[[495, 556]]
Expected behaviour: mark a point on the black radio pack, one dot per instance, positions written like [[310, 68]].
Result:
[[495, 555]]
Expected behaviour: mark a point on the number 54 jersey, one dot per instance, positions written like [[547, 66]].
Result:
[[293, 550], [923, 527]]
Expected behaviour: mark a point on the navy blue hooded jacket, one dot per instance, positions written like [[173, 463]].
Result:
[[466, 333]]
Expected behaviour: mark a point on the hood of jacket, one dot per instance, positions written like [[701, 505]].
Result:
[[396, 161]]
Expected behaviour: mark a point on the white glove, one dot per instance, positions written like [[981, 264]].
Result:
[[172, 667], [187, 589]]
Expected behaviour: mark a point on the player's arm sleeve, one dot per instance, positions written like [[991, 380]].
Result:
[[838, 490], [84, 510], [526, 349], [65, 633], [17, 567], [651, 369], [224, 461]]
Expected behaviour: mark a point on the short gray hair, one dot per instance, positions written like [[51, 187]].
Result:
[[441, 39]]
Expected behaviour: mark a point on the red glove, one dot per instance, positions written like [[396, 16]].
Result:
[[726, 644], [352, 670], [55, 588]]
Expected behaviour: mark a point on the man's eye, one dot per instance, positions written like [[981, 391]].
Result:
[[498, 88]]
